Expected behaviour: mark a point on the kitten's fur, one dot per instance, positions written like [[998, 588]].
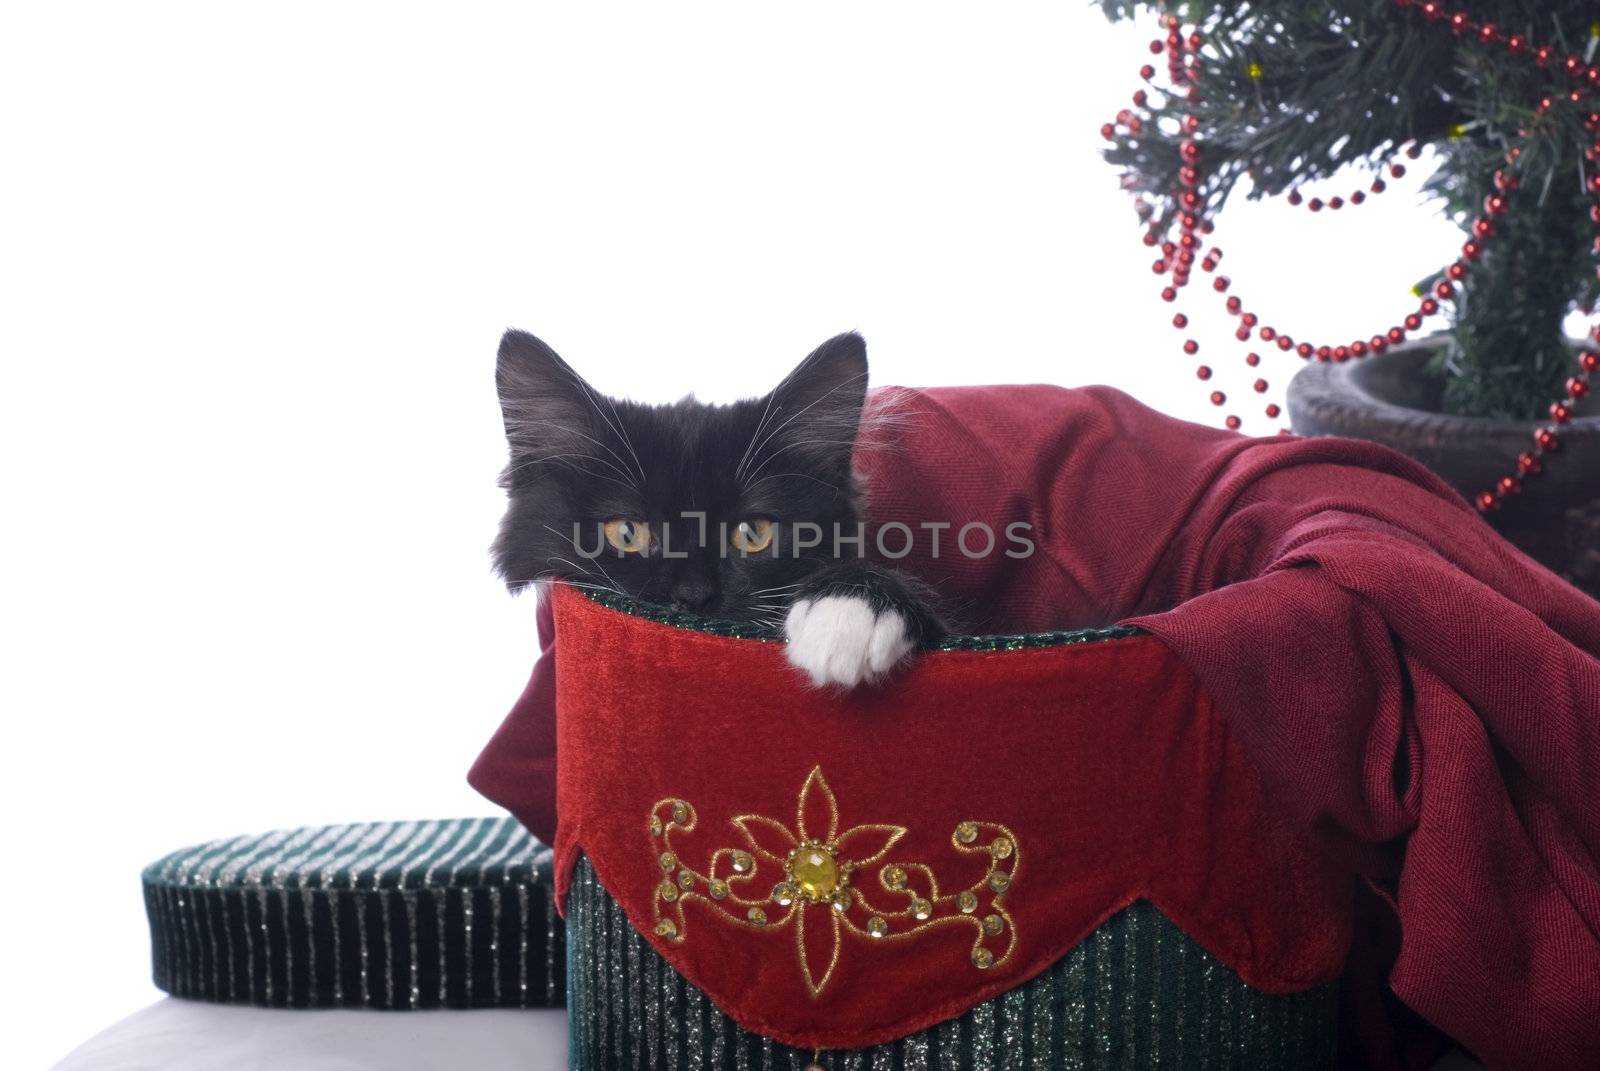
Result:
[[581, 459]]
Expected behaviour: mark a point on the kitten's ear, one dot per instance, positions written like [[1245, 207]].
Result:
[[831, 383], [818, 406], [547, 407]]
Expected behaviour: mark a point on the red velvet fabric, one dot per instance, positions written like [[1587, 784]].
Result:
[[1420, 696], [1102, 765]]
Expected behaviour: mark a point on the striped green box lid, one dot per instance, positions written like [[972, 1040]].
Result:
[[1136, 993], [456, 913]]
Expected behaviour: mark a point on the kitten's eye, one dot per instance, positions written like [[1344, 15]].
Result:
[[752, 536], [630, 537]]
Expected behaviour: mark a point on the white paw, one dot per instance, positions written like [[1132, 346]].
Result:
[[840, 640]]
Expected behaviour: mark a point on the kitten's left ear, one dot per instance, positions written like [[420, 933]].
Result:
[[819, 403], [549, 409]]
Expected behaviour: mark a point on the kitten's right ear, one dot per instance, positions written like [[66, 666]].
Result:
[[818, 406], [547, 407], [822, 397]]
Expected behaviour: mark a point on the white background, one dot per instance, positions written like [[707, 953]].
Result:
[[254, 261]]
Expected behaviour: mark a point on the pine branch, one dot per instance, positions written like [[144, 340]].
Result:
[[1292, 92]]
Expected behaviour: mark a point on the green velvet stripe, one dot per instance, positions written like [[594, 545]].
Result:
[[453, 913], [1137, 993], [748, 631]]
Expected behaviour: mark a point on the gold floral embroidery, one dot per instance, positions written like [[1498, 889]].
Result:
[[815, 871]]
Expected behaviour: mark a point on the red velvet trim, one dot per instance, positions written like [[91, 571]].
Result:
[[1106, 760]]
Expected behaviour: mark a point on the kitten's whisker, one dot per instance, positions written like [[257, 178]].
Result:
[[601, 588], [744, 459], [780, 475], [569, 461], [595, 561], [795, 446], [614, 421], [810, 405], [818, 400], [586, 585], [564, 459], [627, 441], [609, 578], [620, 467], [576, 568]]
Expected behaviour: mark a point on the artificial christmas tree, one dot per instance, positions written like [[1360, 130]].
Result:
[[1505, 92]]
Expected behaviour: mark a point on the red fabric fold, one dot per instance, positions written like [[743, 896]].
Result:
[[1416, 693], [517, 768]]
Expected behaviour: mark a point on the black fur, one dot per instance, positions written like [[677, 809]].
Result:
[[578, 457]]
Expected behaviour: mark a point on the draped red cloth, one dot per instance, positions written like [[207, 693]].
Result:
[[1414, 692]]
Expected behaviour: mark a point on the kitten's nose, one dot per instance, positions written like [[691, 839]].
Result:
[[693, 593]]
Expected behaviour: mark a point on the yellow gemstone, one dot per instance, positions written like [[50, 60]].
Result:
[[757, 916], [685, 880], [741, 861], [680, 813], [719, 889], [999, 881], [967, 901], [1002, 847], [967, 832], [993, 924], [655, 826], [877, 927], [921, 909], [982, 958], [666, 928], [669, 861], [894, 877], [814, 872], [668, 891], [1255, 72]]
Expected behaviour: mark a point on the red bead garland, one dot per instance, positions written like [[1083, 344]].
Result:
[[1178, 258]]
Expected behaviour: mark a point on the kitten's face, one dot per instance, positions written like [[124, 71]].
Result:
[[686, 505]]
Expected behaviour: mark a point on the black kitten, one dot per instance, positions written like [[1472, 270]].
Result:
[[730, 511]]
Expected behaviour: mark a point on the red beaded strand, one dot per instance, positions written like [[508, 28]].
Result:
[[1357, 197], [1177, 258]]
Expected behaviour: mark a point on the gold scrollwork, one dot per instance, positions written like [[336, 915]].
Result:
[[814, 872]]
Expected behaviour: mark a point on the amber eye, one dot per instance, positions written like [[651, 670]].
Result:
[[752, 536], [629, 537]]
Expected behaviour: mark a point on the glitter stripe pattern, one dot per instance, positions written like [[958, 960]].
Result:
[[747, 631], [455, 913], [1137, 993]]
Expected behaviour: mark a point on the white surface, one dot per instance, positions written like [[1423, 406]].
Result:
[[183, 1035], [254, 261]]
